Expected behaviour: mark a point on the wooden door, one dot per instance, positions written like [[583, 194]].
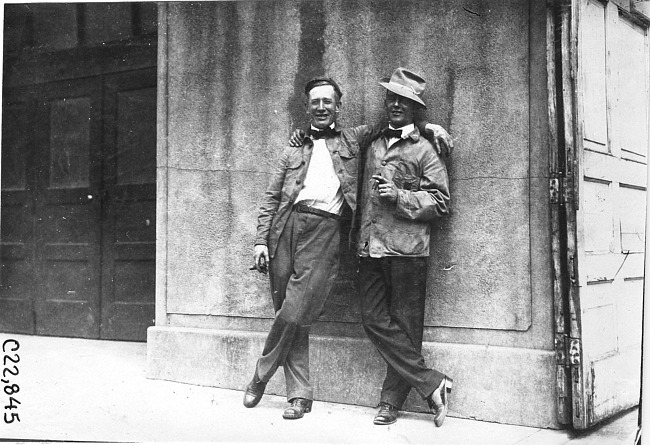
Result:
[[612, 148], [67, 210], [79, 206], [129, 223]]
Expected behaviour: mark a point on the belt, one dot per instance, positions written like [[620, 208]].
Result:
[[303, 208]]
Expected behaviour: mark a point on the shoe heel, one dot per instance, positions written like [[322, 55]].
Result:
[[308, 408]]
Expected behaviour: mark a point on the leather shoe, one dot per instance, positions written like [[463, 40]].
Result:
[[439, 401], [297, 409], [386, 415], [254, 392]]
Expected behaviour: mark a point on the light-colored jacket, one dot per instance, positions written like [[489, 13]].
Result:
[[402, 228]]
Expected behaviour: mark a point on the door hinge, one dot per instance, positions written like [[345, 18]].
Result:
[[577, 396], [567, 189], [567, 350], [561, 349], [554, 190], [576, 410], [572, 269], [562, 380], [575, 350], [560, 190]]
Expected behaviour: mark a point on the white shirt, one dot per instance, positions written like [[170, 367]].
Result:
[[322, 188]]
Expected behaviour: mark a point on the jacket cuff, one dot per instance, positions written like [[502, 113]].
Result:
[[402, 205]]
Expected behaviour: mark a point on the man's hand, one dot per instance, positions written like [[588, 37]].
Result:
[[261, 257], [297, 137], [441, 139], [386, 188]]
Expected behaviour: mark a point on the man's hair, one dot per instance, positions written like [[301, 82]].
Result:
[[318, 81]]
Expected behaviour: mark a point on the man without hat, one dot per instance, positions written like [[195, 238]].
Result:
[[298, 240], [405, 188]]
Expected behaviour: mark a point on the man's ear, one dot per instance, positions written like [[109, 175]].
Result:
[[337, 109]]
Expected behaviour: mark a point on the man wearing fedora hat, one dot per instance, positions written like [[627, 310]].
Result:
[[405, 188]]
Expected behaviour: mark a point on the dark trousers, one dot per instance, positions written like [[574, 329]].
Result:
[[392, 292], [302, 275]]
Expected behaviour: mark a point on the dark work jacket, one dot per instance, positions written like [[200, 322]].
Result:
[[288, 179]]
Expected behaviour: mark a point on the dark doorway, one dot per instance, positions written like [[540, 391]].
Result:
[[79, 176]]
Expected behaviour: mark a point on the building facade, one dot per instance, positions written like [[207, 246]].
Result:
[[537, 270]]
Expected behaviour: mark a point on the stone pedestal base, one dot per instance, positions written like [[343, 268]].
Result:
[[497, 384]]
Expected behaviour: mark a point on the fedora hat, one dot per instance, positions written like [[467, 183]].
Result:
[[405, 83]]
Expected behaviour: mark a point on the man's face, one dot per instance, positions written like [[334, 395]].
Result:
[[399, 109], [322, 106]]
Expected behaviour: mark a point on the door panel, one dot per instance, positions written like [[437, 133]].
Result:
[[130, 207], [595, 97], [17, 234], [630, 76], [68, 213], [613, 108]]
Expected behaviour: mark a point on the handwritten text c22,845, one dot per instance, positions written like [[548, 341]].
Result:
[[10, 387]]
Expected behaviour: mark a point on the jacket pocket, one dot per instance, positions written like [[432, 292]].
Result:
[[293, 178], [410, 228], [409, 243], [406, 181], [405, 176], [348, 159], [349, 151]]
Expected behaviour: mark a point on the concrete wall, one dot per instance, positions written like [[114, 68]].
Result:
[[230, 91]]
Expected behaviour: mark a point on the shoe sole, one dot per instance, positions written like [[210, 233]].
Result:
[[293, 417], [383, 422]]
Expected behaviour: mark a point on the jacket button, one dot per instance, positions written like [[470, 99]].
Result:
[[297, 181], [374, 220], [383, 162]]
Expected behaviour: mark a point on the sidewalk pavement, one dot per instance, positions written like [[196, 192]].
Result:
[[94, 390]]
